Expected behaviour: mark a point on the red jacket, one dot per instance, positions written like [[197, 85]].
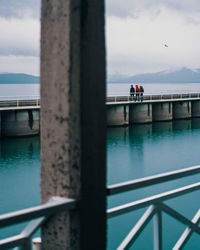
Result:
[[137, 88]]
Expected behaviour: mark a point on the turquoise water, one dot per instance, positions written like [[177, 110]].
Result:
[[19, 176], [132, 152], [144, 150]]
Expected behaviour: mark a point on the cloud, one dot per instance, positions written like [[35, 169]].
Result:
[[20, 8], [137, 45], [136, 8], [20, 64], [19, 37]]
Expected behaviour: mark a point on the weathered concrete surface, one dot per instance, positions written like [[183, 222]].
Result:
[[162, 111], [182, 110], [20, 122], [140, 113], [195, 108], [117, 115], [73, 121]]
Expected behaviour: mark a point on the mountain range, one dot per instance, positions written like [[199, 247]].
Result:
[[183, 75], [12, 78]]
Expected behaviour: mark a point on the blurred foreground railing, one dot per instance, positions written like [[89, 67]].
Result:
[[155, 206], [38, 214]]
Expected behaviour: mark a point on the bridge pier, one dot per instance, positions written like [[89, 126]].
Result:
[[117, 115], [162, 111], [140, 113], [195, 108], [182, 110], [20, 122]]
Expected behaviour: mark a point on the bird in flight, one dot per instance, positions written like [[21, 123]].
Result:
[[166, 45]]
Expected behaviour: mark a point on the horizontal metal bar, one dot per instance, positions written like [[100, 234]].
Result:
[[180, 217], [151, 180], [55, 205], [112, 212], [187, 233], [138, 228], [12, 242]]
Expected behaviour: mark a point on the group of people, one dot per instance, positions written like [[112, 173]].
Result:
[[138, 90]]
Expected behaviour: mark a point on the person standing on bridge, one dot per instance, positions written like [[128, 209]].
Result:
[[132, 92], [141, 93], [137, 93]]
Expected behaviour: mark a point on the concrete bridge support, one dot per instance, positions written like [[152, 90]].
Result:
[[140, 113], [20, 122], [162, 111], [195, 108], [182, 110], [73, 122], [117, 115]]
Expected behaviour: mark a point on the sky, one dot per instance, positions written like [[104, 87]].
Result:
[[20, 36], [137, 31], [136, 34]]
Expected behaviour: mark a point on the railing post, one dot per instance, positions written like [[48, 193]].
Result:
[[157, 221]]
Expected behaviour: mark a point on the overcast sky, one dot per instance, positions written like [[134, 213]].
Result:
[[20, 36], [136, 34], [137, 31]]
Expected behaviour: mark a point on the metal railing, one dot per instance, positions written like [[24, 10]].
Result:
[[38, 214], [155, 206], [147, 97], [19, 101]]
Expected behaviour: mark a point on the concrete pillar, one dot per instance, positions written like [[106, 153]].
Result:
[[117, 115], [73, 121], [162, 111], [140, 113], [20, 122], [195, 108], [181, 109]]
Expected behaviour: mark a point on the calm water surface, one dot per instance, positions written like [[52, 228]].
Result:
[[144, 150], [8, 91], [132, 152], [117, 89]]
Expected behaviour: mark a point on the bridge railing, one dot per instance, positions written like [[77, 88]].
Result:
[[155, 207], [19, 101], [38, 215], [147, 97]]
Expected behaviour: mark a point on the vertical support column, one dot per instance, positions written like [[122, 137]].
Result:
[[73, 121], [157, 221]]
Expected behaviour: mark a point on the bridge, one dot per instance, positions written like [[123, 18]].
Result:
[[125, 110], [19, 115]]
